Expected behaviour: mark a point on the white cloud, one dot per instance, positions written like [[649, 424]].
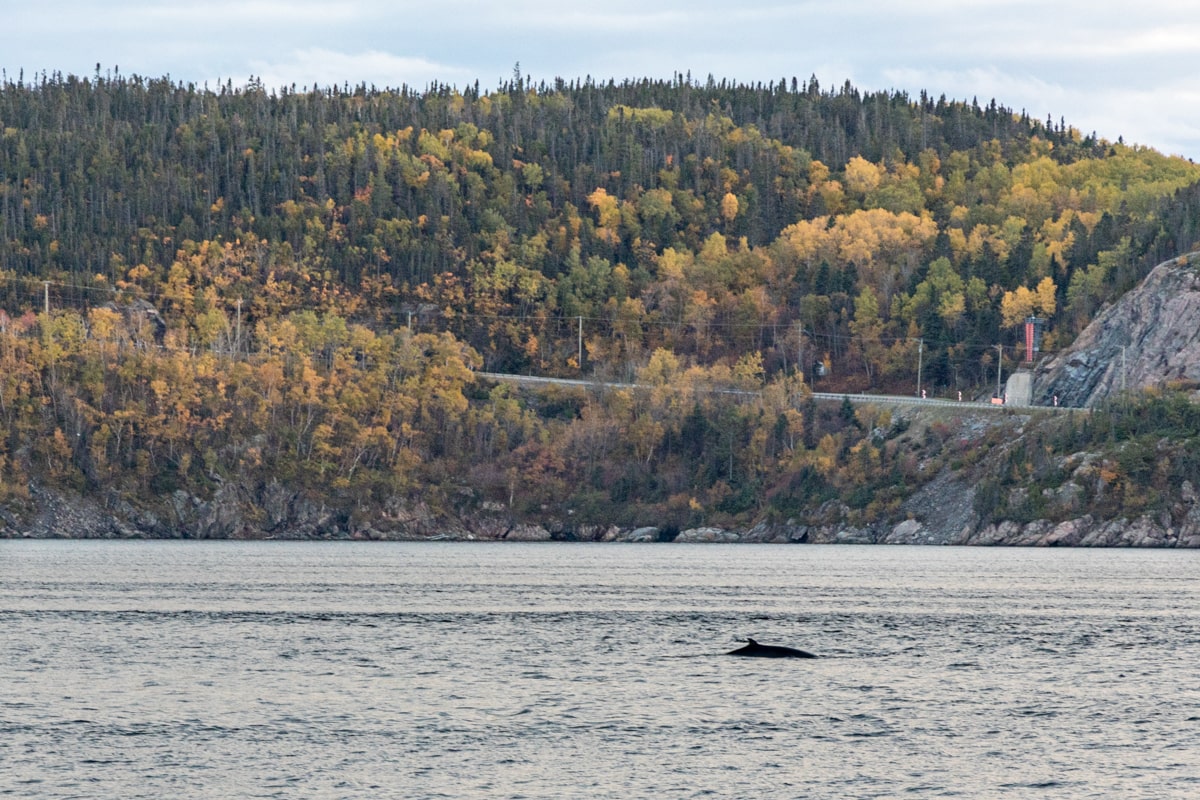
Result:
[[1081, 43], [1174, 40]]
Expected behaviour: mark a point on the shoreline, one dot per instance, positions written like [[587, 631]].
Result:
[[1140, 532]]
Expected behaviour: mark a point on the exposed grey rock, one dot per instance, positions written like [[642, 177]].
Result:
[[648, 534], [221, 517], [908, 532], [57, 516], [832, 512], [1004, 532], [1100, 534], [1190, 525], [944, 509], [708, 534], [1032, 533], [1066, 534], [765, 533], [491, 526], [1147, 532], [823, 534], [796, 533], [1066, 498], [593, 533], [527, 533], [598, 533], [1155, 323], [276, 505], [853, 536]]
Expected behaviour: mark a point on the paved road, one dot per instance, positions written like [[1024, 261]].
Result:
[[863, 399]]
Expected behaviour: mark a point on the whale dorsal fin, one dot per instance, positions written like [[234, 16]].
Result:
[[750, 641]]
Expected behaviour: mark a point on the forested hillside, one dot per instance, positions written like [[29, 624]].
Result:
[[204, 287]]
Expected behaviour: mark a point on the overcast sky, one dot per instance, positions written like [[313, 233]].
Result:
[[1119, 69]]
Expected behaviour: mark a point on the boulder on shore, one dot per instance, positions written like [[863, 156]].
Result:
[[709, 535]]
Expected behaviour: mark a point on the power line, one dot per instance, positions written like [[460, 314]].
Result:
[[574, 322]]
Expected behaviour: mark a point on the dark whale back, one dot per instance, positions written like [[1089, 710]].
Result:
[[753, 649]]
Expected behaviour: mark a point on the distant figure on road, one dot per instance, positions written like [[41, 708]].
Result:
[[1056, 401], [960, 395], [922, 394]]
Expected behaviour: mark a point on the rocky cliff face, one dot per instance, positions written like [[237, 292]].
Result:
[[1149, 337]]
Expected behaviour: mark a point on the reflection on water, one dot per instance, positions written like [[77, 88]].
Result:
[[208, 669]]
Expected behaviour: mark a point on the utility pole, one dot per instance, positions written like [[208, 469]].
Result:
[[920, 358], [800, 351], [999, 360], [579, 355], [410, 321]]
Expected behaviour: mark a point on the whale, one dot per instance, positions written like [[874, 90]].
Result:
[[753, 649]]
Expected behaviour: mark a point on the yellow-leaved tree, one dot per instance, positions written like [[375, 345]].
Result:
[[1016, 306]]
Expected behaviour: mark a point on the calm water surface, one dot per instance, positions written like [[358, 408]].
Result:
[[330, 670]]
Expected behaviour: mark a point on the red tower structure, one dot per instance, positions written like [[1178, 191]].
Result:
[[1033, 337]]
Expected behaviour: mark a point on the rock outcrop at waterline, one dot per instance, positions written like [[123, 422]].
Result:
[[1151, 336], [224, 518]]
